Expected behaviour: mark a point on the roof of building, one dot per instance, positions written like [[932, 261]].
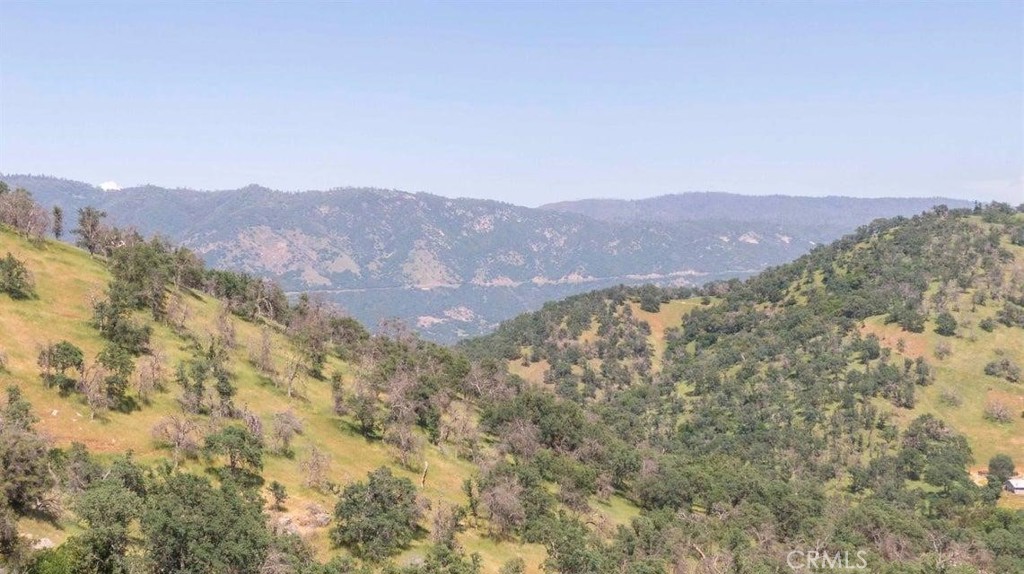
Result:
[[1016, 483]]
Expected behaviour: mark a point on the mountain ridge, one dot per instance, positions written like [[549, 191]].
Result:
[[356, 246]]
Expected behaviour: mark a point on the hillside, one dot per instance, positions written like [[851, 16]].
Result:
[[627, 332], [68, 282], [452, 268], [635, 429], [831, 366]]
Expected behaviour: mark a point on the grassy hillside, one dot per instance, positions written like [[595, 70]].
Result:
[[67, 282]]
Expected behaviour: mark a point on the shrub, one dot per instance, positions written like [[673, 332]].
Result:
[[943, 351], [951, 398], [987, 325]]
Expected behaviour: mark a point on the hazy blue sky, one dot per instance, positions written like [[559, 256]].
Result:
[[524, 103]]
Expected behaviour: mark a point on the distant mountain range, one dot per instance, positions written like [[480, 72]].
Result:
[[456, 267], [778, 209]]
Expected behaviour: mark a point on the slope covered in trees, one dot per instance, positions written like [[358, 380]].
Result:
[[843, 400]]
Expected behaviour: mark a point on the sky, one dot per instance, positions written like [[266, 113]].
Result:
[[522, 102]]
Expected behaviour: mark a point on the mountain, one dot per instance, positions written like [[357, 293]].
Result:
[[830, 212], [456, 267], [845, 403]]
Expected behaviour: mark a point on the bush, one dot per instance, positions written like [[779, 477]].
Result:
[[15, 279], [987, 325], [951, 398]]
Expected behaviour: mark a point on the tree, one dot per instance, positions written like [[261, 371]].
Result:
[[239, 445], [997, 412], [115, 324], [570, 551], [93, 385], [58, 222], [142, 272], [446, 524], [55, 360], [286, 426], [225, 391], [119, 367], [26, 476], [945, 324], [310, 328], [190, 527], [151, 375], [91, 230], [503, 499], [1000, 469], [363, 403], [278, 492], [23, 214], [406, 442], [15, 279], [17, 413], [376, 518], [315, 468], [261, 353], [108, 507], [514, 566], [180, 433]]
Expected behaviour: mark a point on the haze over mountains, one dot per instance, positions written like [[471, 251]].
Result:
[[457, 267]]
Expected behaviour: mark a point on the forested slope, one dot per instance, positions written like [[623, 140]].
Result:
[[843, 399]]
